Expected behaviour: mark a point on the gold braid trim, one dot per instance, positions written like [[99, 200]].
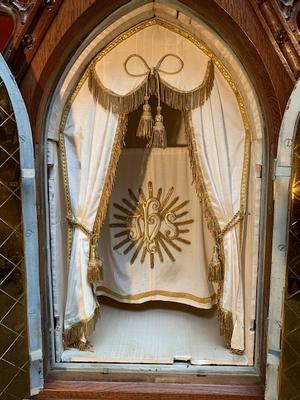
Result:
[[76, 335], [177, 99]]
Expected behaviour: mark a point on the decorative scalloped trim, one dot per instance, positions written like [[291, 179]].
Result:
[[177, 99]]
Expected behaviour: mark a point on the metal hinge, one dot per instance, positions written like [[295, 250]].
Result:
[[280, 170]]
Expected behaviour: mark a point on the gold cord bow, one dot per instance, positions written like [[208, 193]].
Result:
[[154, 132]]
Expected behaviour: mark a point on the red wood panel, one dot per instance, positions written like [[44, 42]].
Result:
[[6, 30]]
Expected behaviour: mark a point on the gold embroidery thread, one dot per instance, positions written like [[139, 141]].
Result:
[[150, 225]]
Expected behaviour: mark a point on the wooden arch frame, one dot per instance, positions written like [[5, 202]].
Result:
[[239, 25]]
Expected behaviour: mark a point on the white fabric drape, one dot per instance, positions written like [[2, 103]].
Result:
[[220, 138], [178, 274], [89, 137], [220, 141], [152, 43]]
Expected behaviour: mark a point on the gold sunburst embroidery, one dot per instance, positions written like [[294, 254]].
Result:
[[151, 225]]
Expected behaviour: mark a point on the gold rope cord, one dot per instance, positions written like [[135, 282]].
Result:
[[175, 98], [225, 317]]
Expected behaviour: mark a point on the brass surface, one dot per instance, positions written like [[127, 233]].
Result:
[[290, 360], [14, 378]]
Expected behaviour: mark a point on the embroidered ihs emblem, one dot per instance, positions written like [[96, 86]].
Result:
[[151, 225]]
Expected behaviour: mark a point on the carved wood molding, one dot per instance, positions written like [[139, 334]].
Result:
[[17, 9], [290, 10], [31, 23], [279, 34]]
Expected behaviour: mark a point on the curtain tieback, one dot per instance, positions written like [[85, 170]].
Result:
[[216, 265], [77, 224], [153, 131], [95, 265]]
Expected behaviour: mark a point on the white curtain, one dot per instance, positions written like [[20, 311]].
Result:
[[89, 135], [166, 227], [220, 141]]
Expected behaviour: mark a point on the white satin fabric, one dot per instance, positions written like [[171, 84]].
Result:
[[152, 43], [183, 279], [220, 135], [220, 139], [89, 136]]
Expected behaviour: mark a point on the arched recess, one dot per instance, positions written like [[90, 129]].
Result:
[[117, 24], [46, 68], [29, 222]]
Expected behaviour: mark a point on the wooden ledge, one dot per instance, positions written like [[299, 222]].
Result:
[[58, 389]]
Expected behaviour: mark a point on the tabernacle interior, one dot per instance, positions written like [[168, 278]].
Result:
[[152, 331], [158, 304], [156, 333]]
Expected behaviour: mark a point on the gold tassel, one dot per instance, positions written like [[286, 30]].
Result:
[[226, 326], [145, 127], [95, 266], [76, 334], [159, 138], [215, 268], [83, 345]]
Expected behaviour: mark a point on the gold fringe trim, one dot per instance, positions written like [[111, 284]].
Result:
[[177, 99], [110, 175], [191, 99], [226, 329], [226, 326], [82, 345], [212, 222], [112, 101], [73, 336]]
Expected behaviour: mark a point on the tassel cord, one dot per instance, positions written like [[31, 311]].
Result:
[[159, 137]]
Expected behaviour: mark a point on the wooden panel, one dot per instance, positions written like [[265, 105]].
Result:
[[21, 58], [149, 391]]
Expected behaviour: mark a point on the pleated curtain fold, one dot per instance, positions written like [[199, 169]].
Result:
[[219, 135], [89, 136]]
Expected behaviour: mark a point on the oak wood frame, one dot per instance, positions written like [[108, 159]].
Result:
[[237, 22]]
